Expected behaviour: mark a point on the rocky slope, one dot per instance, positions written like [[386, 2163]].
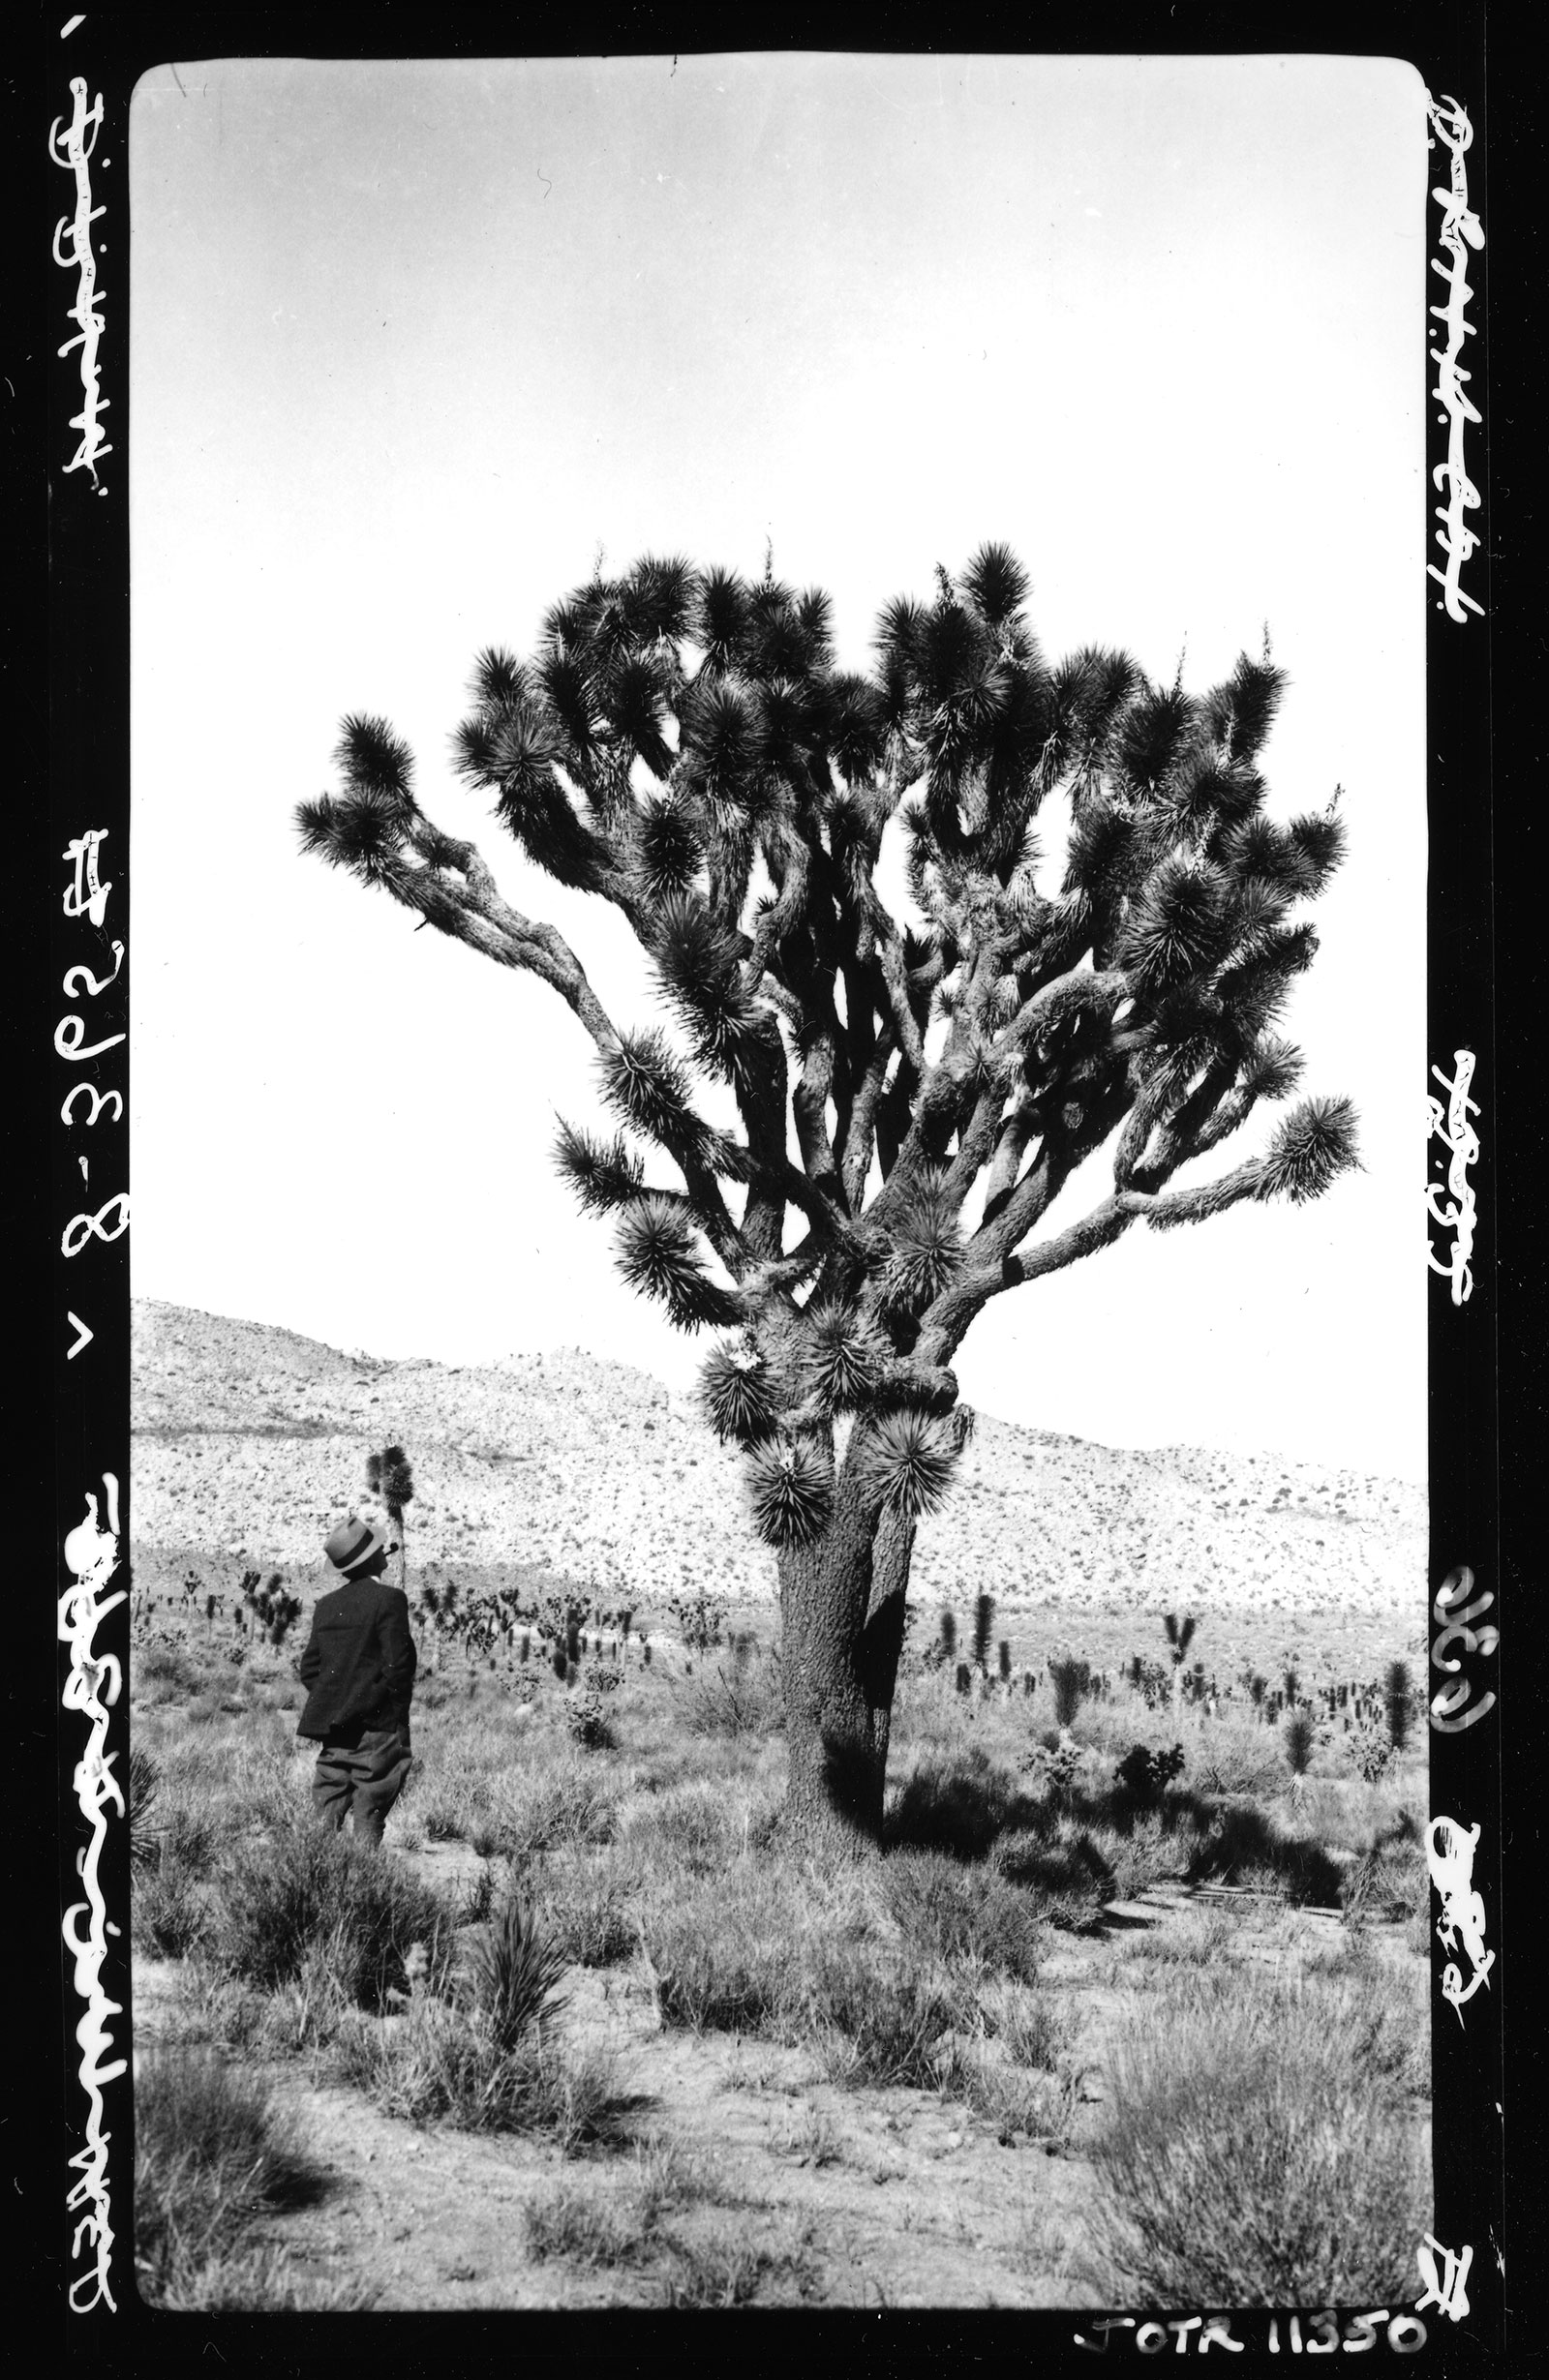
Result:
[[250, 1442]]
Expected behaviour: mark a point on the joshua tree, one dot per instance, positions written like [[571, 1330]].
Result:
[[1180, 1635], [1299, 1741], [388, 1476], [681, 745], [1072, 1679]]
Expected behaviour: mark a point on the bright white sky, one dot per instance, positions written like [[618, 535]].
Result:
[[412, 341]]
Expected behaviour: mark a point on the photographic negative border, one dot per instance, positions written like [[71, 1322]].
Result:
[[89, 67]]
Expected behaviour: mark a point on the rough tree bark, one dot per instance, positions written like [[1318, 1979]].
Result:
[[842, 1604]]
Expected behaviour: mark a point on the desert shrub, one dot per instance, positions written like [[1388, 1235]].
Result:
[[1369, 1748], [1139, 1852], [739, 1696], [952, 1911], [306, 1884], [1252, 2154], [164, 1665], [1244, 1846], [588, 1724], [878, 2011], [956, 1802], [1062, 1869], [1389, 1880], [212, 2156], [1236, 1759], [1144, 1774]]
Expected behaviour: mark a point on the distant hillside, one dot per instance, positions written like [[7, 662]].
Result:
[[250, 1442]]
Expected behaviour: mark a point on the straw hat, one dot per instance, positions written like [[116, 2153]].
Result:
[[353, 1543]]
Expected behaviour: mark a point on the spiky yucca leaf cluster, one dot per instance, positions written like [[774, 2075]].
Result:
[[602, 1175], [927, 1246], [1313, 1146], [841, 1356], [1175, 927], [735, 1392], [516, 1971], [395, 1480], [698, 966], [791, 1487], [905, 1460], [643, 1080], [657, 1255]]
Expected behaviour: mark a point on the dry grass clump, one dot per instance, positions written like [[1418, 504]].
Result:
[[739, 1695], [170, 1911], [696, 1828], [725, 2267], [1261, 2146], [617, 2221], [961, 1913], [279, 1899], [878, 2014], [899, 1976], [213, 2155], [722, 1947], [441, 2061], [581, 2224], [591, 1903]]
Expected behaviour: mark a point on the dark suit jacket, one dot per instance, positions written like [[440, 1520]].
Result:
[[360, 1663]]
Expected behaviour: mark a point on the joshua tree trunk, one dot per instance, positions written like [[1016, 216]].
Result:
[[842, 1611]]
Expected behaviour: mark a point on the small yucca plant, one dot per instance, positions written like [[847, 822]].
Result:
[[984, 1615], [1298, 1742], [515, 1969], [1396, 1701], [144, 1780]]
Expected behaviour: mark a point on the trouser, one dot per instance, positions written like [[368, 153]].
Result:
[[362, 1773]]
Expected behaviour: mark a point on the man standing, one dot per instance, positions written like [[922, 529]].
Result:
[[358, 1668]]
